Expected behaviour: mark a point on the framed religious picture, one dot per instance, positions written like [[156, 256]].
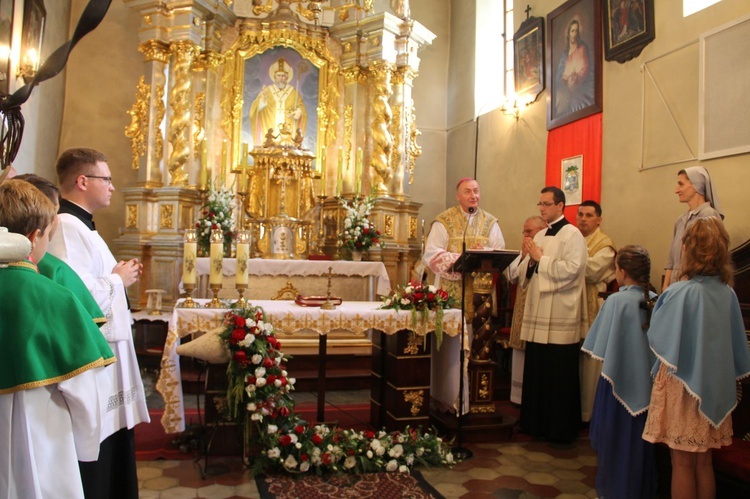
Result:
[[628, 28], [528, 49], [574, 62], [571, 179], [32, 32], [6, 38], [280, 95]]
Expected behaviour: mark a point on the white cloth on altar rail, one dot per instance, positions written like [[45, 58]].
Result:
[[50, 429], [290, 318], [268, 267]]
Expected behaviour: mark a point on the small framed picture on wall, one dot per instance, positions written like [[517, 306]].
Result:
[[628, 28], [528, 49], [571, 179]]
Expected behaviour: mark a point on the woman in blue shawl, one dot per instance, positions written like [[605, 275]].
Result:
[[699, 340]]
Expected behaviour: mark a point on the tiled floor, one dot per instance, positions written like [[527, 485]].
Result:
[[518, 469]]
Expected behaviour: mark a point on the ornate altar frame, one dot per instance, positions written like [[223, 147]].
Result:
[[187, 124]]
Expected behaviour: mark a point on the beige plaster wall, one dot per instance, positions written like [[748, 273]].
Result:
[[102, 74], [639, 206]]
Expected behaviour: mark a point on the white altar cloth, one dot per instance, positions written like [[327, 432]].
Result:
[[267, 267], [290, 318]]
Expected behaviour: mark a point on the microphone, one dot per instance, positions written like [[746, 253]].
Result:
[[471, 212]]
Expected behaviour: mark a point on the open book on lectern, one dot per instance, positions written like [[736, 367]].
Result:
[[484, 260]]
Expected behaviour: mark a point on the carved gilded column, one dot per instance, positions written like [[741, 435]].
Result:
[[382, 140], [179, 103]]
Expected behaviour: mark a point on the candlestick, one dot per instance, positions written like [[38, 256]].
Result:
[[203, 177], [216, 262], [358, 171], [328, 304], [340, 176], [189, 270]]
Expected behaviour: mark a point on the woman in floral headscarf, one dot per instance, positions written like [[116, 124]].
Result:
[[695, 188]]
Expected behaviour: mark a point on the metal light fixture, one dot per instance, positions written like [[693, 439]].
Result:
[[28, 66]]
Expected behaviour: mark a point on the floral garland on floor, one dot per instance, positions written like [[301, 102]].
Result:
[[421, 298], [258, 397]]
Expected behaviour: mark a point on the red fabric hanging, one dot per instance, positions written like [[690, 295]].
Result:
[[582, 137]]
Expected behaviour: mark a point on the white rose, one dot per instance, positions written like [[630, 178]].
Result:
[[292, 381], [256, 359], [256, 417], [250, 406], [400, 439], [375, 444], [347, 223], [380, 451], [247, 340], [274, 453], [260, 382], [369, 454], [260, 372], [290, 463], [449, 458], [410, 459], [298, 445], [277, 383], [304, 466], [350, 462], [392, 465], [405, 301], [284, 373], [408, 289], [403, 469], [250, 389], [420, 451], [396, 451], [272, 428]]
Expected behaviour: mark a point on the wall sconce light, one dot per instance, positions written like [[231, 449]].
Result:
[[29, 65], [512, 105]]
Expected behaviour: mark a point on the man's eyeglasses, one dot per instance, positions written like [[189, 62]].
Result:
[[107, 180], [546, 203]]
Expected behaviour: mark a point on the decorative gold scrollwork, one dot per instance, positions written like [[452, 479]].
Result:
[[416, 399], [389, 221], [412, 227], [166, 216], [131, 216], [180, 104], [381, 136], [199, 112], [413, 150], [138, 128], [412, 344]]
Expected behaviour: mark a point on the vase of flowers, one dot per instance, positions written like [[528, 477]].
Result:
[[421, 299], [359, 234], [216, 213]]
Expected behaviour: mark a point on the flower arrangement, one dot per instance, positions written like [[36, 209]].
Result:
[[359, 233], [216, 213], [258, 396], [421, 298]]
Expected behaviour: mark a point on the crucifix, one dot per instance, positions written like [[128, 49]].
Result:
[[283, 175], [527, 10]]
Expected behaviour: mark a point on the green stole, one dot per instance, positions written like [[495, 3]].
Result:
[[53, 268], [46, 334]]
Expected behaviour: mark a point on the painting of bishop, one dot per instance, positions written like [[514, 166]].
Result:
[[280, 98]]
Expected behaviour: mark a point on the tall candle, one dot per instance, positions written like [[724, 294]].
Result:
[[223, 164], [243, 253], [340, 176], [323, 171], [358, 171], [190, 252], [203, 177], [216, 257]]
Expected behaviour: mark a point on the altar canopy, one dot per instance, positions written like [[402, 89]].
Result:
[[290, 104]]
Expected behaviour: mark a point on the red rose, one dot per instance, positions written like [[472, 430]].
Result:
[[358, 244], [278, 345], [212, 214], [240, 357], [376, 240], [251, 379], [258, 315], [238, 334], [366, 231], [369, 434], [430, 296], [317, 439], [285, 440], [267, 363], [284, 411], [214, 226], [271, 378], [283, 380], [350, 452], [205, 213], [299, 429], [418, 296], [327, 458], [304, 457], [239, 321], [442, 294], [197, 224], [377, 232]]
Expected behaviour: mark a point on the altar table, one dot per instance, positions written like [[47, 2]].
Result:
[[350, 318], [351, 280]]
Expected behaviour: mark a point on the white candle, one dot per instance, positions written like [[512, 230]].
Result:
[[216, 257], [243, 251], [189, 272]]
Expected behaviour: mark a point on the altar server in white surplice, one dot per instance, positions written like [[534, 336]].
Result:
[[554, 321], [53, 383], [86, 185]]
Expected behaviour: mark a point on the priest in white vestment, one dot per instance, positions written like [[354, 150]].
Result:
[[554, 320], [86, 185]]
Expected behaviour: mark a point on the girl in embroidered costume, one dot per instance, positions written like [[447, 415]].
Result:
[[617, 338], [699, 339]]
